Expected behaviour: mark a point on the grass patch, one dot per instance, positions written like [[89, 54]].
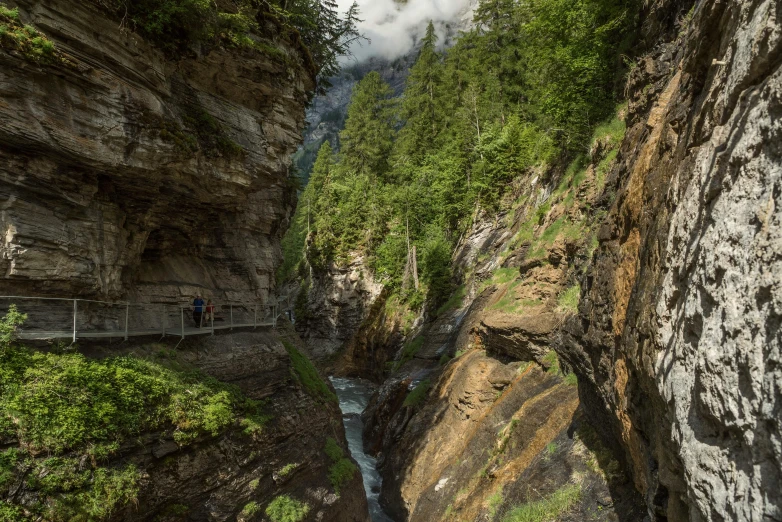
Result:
[[568, 300], [286, 509], [500, 276], [287, 469], [546, 509], [417, 396], [560, 228], [613, 130], [342, 469], [305, 373], [254, 483], [509, 304], [453, 302], [495, 501]]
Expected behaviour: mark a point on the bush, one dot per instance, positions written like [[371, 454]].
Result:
[[342, 469], [286, 509], [250, 509]]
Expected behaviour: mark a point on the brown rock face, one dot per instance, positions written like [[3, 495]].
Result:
[[677, 344], [124, 173]]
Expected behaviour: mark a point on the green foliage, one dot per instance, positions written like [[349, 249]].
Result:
[[495, 501], [287, 469], [453, 302], [8, 461], [25, 39], [212, 138], [9, 513], [417, 396], [307, 375], [546, 509], [342, 469], [340, 473], [408, 351], [521, 92], [254, 483], [78, 411], [66, 401], [551, 362], [8, 326], [333, 450], [250, 509], [175, 511], [569, 298], [286, 509]]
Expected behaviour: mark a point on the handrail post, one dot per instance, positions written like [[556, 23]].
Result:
[[232, 316], [75, 311], [127, 313]]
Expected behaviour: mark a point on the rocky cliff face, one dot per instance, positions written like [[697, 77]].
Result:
[[677, 343], [128, 173], [330, 310]]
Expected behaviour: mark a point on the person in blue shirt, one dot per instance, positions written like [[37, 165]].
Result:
[[198, 310]]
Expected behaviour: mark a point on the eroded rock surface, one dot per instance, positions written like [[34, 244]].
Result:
[[677, 346], [129, 174]]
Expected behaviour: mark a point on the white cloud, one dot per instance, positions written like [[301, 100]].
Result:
[[393, 28]]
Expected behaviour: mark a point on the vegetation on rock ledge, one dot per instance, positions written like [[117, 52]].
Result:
[[64, 417]]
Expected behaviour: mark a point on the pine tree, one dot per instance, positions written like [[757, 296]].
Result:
[[421, 105], [369, 129]]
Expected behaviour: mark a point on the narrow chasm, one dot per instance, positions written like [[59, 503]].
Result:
[[354, 395]]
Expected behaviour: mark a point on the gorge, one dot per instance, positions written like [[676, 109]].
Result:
[[536, 278]]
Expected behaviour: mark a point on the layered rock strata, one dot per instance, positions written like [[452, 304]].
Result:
[[127, 173]]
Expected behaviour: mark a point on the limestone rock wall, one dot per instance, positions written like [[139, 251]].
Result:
[[334, 304], [677, 343], [128, 174]]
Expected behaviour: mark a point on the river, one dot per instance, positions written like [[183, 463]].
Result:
[[354, 396]]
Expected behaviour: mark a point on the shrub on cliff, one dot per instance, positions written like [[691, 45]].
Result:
[[342, 469], [287, 509], [25, 39]]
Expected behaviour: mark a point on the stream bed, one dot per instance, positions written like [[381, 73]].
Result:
[[354, 396]]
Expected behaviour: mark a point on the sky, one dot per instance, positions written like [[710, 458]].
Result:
[[394, 29]]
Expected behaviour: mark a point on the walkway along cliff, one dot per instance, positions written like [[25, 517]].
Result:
[[613, 349], [148, 170]]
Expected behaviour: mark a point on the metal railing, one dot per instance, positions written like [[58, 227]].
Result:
[[60, 318]]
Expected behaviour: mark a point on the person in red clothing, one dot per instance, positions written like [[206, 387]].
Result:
[[210, 312]]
